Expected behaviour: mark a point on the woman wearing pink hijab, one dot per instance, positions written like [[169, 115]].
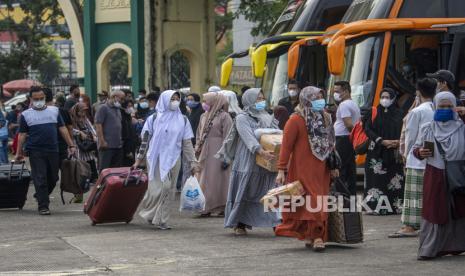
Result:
[[213, 128]]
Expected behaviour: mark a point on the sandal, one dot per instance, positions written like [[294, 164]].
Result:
[[400, 234], [206, 215], [309, 244], [318, 245], [240, 231]]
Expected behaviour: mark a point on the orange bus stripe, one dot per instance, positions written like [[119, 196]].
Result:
[[395, 9]]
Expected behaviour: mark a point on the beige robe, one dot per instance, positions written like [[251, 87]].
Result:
[[213, 179]]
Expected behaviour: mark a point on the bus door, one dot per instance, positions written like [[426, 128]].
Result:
[[457, 59], [411, 56]]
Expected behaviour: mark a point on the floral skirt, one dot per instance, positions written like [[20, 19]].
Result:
[[384, 186]]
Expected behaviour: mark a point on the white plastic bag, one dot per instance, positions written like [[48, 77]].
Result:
[[192, 198]]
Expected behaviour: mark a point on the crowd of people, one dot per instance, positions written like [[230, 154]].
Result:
[[216, 137]]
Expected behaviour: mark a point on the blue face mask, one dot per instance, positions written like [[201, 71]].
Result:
[[144, 105], [443, 115], [318, 105], [260, 105], [192, 104]]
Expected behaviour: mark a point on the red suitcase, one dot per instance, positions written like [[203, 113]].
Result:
[[116, 195]]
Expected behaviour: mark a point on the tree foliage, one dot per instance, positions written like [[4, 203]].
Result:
[[118, 67], [264, 13], [39, 22]]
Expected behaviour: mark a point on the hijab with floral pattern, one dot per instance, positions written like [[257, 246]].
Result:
[[319, 127]]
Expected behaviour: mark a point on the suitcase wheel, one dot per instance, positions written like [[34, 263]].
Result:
[[93, 223]]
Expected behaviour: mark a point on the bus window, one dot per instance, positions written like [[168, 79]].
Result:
[[313, 68], [460, 69], [411, 57], [423, 9], [432, 9], [456, 8], [361, 62]]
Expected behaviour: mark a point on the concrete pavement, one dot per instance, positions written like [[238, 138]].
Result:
[[65, 243]]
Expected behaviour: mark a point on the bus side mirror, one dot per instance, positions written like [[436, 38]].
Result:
[[336, 52], [259, 61], [226, 69], [293, 61]]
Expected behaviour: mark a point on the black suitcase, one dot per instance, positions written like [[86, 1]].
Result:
[[14, 185]]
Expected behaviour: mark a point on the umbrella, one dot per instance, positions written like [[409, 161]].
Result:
[[20, 85]]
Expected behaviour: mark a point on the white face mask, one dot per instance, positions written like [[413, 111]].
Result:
[[385, 102], [174, 105], [117, 104], [38, 104], [130, 110], [293, 93], [337, 97]]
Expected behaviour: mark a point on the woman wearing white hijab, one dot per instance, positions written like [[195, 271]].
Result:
[[234, 108], [443, 225], [249, 182], [167, 134]]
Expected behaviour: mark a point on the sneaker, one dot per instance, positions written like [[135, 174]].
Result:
[[163, 226], [44, 212]]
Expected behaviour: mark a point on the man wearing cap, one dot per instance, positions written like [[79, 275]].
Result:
[[102, 98], [446, 80]]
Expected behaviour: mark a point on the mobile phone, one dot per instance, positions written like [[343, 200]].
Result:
[[429, 145]]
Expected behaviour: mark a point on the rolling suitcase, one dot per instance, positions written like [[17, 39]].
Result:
[[116, 195], [14, 185]]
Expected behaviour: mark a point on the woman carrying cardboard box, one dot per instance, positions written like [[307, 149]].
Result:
[[308, 142], [249, 182]]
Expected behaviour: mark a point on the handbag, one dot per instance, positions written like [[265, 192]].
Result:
[[86, 145], [454, 173], [75, 177], [334, 161], [358, 137]]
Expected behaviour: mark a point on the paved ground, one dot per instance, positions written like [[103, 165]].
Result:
[[65, 243]]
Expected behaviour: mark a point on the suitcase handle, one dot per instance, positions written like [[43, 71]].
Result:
[[130, 173], [23, 163]]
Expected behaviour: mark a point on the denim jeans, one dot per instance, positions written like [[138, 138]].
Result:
[[4, 151]]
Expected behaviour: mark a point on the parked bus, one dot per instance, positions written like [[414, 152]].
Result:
[[269, 57], [404, 41]]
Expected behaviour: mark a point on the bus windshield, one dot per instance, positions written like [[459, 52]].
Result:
[[275, 79], [285, 21], [367, 9], [360, 65]]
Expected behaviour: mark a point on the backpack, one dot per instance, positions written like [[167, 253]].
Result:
[[358, 137]]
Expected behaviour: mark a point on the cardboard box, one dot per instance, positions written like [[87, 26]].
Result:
[[270, 142], [292, 189]]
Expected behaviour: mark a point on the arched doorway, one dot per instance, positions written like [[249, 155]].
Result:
[[179, 75], [118, 69], [114, 67]]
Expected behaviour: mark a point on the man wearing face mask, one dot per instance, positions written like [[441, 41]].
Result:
[[291, 102], [152, 99], [347, 115], [108, 124], [196, 110], [446, 81], [40, 125], [102, 98], [75, 94]]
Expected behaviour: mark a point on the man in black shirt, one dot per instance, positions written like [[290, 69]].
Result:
[[74, 97], [291, 102]]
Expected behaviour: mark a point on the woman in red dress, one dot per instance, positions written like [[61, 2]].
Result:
[[307, 143]]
